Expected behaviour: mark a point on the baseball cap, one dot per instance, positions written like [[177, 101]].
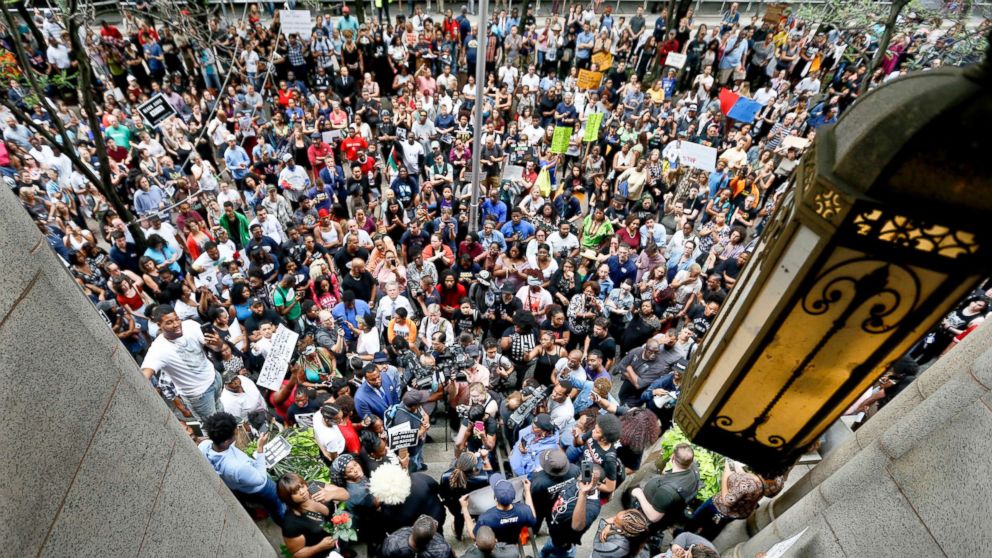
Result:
[[554, 462], [414, 397], [229, 376], [507, 289], [435, 144], [287, 157], [503, 490], [254, 301], [483, 278], [543, 421]]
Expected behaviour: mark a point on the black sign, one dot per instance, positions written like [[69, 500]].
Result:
[[156, 110]]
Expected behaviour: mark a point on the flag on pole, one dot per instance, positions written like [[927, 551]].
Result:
[[742, 109]]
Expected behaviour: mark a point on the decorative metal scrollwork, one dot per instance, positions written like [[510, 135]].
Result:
[[916, 235], [889, 291], [827, 204]]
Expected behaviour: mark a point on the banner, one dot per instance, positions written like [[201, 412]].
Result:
[[559, 142], [593, 123], [402, 436], [675, 60], [603, 60], [697, 156], [589, 79], [274, 370], [296, 21]]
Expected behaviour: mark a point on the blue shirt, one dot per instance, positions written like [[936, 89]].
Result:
[[496, 237], [150, 201], [496, 210], [375, 401], [718, 180], [233, 158], [523, 464], [620, 271], [584, 37], [160, 257], [238, 471], [732, 54], [154, 50], [524, 228], [507, 524], [660, 235], [341, 313]]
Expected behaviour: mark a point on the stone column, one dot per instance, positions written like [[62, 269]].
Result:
[[94, 462], [914, 481]]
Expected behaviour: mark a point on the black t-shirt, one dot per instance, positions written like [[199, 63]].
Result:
[[605, 458], [423, 499], [463, 322], [475, 441], [560, 518], [309, 525], [544, 489], [607, 346], [361, 285], [312, 406], [411, 241], [342, 258], [669, 492], [698, 320], [253, 322]]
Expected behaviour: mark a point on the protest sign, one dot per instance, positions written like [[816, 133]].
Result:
[[402, 436], [559, 142], [276, 450], [589, 79], [156, 110], [603, 61], [304, 420], [593, 123], [675, 60], [795, 141], [274, 369], [296, 21], [697, 156]]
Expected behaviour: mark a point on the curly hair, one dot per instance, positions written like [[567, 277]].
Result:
[[390, 484], [639, 429]]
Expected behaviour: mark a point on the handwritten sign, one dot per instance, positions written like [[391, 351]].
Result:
[[156, 110], [402, 436], [675, 60], [559, 142], [697, 156], [593, 123], [589, 79], [603, 60], [276, 450], [795, 141], [296, 21], [274, 370]]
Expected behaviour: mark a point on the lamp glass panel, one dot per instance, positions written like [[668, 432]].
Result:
[[930, 281], [776, 284], [855, 304]]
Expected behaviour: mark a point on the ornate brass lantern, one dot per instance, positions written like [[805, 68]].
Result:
[[885, 228]]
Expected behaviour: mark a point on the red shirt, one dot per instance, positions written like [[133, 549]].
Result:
[[350, 435], [351, 145], [451, 297], [316, 155]]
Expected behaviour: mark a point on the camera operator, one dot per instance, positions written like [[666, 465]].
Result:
[[410, 412], [500, 367], [519, 342]]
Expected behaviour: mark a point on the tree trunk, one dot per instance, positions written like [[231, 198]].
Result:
[[883, 43], [103, 182]]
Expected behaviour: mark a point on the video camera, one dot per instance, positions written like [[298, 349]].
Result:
[[451, 364], [420, 377], [533, 397]]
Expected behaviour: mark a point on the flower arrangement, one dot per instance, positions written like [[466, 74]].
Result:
[[340, 525]]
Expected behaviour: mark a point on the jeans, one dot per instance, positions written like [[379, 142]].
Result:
[[208, 402], [269, 499], [707, 521], [551, 551], [417, 456]]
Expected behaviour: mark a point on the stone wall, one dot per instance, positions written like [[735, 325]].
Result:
[[94, 462], [916, 480]]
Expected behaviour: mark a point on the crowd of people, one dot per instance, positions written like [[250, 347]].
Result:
[[323, 182]]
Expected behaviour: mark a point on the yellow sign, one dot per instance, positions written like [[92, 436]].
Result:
[[604, 60], [589, 79]]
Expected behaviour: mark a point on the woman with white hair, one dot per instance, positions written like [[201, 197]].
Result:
[[432, 323]]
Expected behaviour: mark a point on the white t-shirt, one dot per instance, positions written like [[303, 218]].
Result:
[[240, 404], [327, 437], [559, 244], [368, 343], [184, 360]]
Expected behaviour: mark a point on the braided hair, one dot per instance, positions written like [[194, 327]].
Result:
[[464, 465]]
